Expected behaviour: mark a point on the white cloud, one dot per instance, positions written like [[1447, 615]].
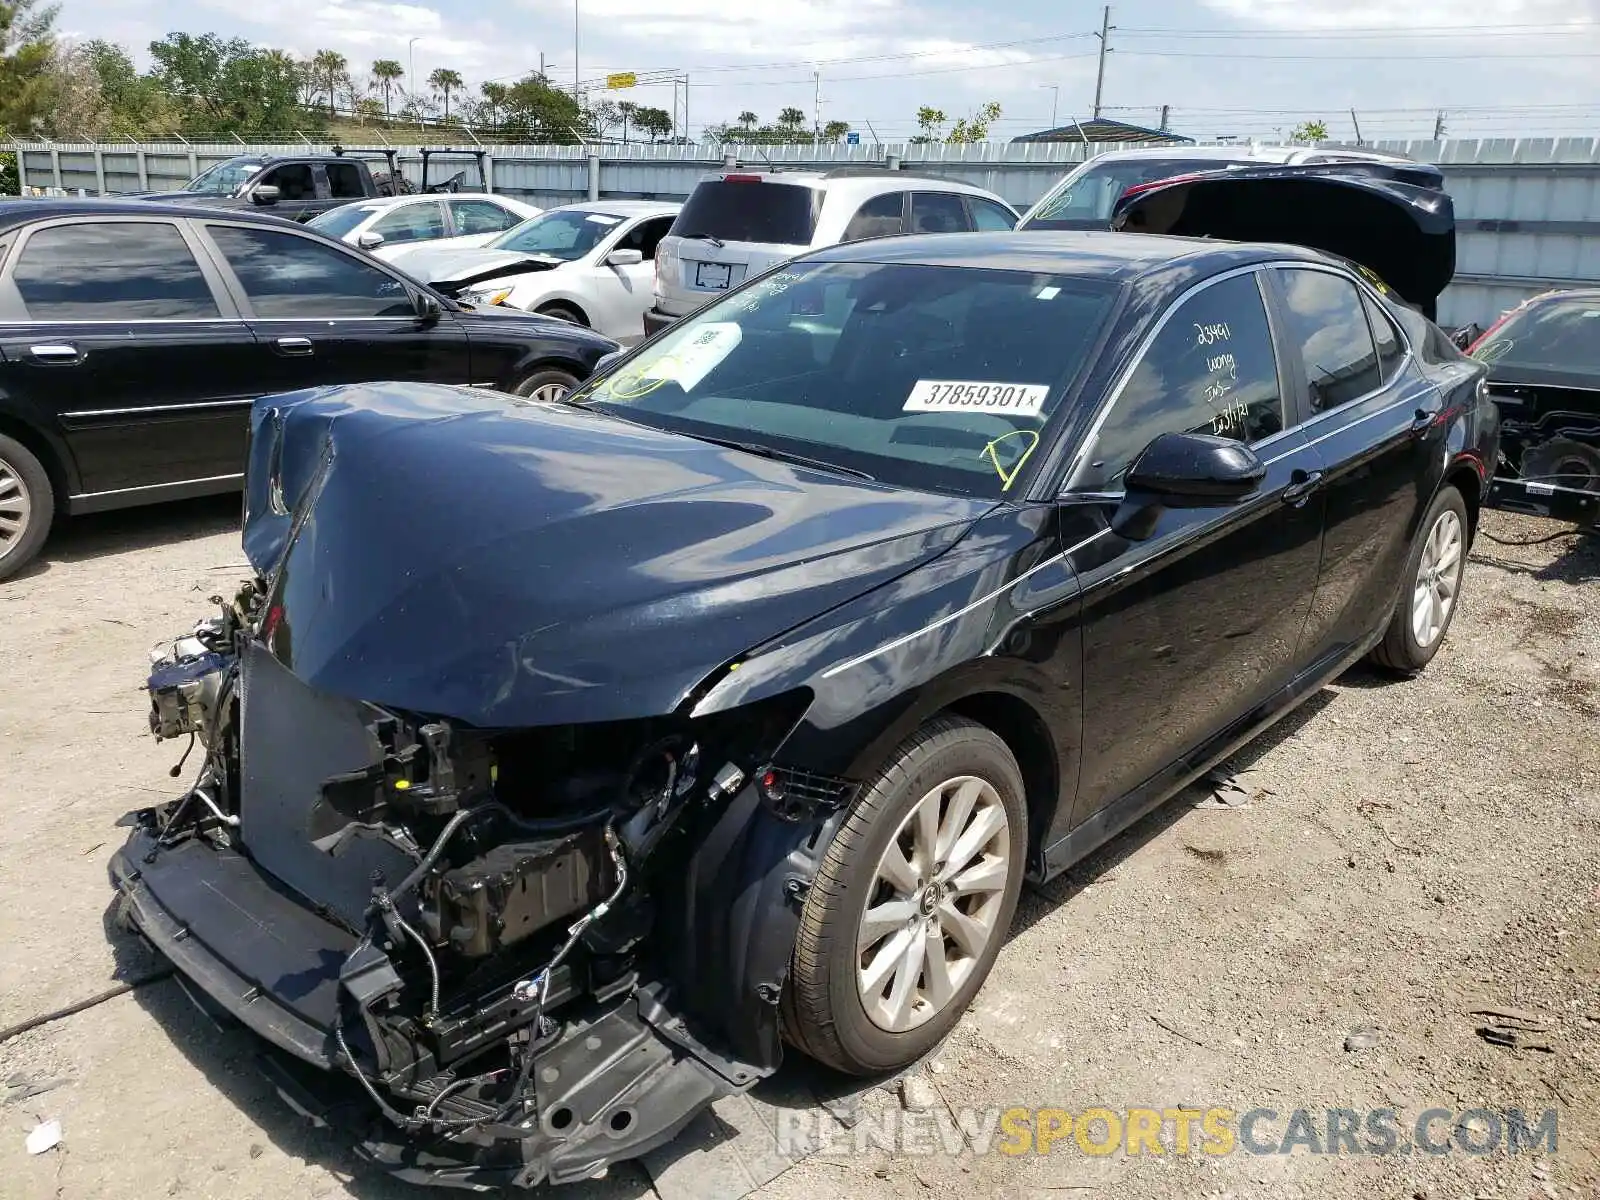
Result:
[[1383, 14]]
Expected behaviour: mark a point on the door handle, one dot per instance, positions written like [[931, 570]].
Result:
[[1423, 420], [1305, 483], [56, 353], [296, 347]]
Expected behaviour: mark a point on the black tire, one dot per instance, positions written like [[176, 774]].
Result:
[[1564, 461], [545, 378], [1400, 651], [23, 480], [563, 312], [822, 1011]]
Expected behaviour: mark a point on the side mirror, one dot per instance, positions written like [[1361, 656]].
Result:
[[370, 240], [426, 306], [1184, 470], [265, 194], [606, 361], [624, 258]]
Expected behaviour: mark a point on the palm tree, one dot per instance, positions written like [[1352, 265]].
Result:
[[329, 67], [386, 76], [495, 96], [791, 119], [626, 108], [446, 81], [748, 119]]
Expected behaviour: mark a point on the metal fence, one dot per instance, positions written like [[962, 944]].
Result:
[[1528, 209]]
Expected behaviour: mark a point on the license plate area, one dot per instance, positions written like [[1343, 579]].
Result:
[[714, 277]]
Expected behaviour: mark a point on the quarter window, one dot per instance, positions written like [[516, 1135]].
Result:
[[1325, 318], [990, 217], [882, 216], [116, 270], [1391, 350], [938, 212], [1211, 369], [288, 276], [411, 223]]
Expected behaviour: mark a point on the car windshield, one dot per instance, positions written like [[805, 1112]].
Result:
[[225, 178], [748, 208], [1557, 335], [1089, 194], [930, 377], [340, 221], [564, 233]]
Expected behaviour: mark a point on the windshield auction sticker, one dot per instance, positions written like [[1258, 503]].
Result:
[[1002, 399]]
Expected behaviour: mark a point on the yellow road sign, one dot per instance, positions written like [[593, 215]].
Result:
[[622, 79]]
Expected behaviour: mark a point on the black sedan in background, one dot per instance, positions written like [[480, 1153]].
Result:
[[134, 337], [728, 702]]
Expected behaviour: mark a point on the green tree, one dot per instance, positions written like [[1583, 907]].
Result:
[[748, 119], [931, 123], [329, 68], [537, 112], [134, 104], [386, 76], [1309, 131], [494, 100], [27, 62], [655, 122], [227, 86], [791, 121], [444, 81], [603, 116], [834, 130], [976, 127], [627, 110]]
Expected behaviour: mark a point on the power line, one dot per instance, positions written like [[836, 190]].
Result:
[[1343, 58], [1447, 31]]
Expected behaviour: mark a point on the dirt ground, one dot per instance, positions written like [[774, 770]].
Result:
[[1412, 853]]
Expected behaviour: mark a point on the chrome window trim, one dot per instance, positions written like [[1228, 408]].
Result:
[[1092, 435]]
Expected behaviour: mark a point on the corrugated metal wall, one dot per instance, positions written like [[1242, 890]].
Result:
[[1528, 209]]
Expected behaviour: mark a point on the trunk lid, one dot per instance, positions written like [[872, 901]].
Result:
[[1393, 219]]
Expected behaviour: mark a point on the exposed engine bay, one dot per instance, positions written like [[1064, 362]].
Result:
[[465, 922]]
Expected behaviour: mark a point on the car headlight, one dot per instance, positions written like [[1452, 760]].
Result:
[[494, 295]]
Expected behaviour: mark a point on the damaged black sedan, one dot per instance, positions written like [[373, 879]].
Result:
[[564, 761]]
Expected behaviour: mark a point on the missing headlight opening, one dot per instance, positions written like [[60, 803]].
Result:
[[495, 897]]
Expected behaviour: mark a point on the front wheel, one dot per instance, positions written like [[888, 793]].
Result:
[[549, 386], [1433, 576], [911, 904]]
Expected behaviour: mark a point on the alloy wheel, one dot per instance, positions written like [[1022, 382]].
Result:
[[16, 507], [935, 903], [1438, 579], [549, 393]]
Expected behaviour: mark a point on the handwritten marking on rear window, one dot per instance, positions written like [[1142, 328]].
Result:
[[1210, 335], [1001, 399]]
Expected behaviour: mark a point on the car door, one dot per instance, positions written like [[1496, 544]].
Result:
[[298, 197], [620, 294], [1190, 629], [1371, 415], [324, 315], [123, 340]]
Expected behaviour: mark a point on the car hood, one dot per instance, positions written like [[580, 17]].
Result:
[[1395, 220], [464, 554], [458, 267]]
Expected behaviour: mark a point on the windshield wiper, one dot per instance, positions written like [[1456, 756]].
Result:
[[784, 456], [705, 237]]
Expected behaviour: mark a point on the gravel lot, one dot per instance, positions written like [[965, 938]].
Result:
[[1412, 852]]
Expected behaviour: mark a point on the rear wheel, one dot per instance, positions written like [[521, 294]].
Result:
[[911, 904], [562, 312], [549, 386], [1428, 602], [1565, 462], [27, 506]]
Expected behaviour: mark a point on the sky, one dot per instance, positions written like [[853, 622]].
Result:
[[1242, 68]]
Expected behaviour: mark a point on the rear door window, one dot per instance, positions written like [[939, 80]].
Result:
[[112, 270], [751, 209], [287, 277], [989, 217], [411, 223], [882, 216], [344, 181], [480, 216], [1211, 369], [1324, 318], [294, 181], [938, 212]]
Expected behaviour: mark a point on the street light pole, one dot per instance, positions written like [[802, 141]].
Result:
[[411, 50], [1055, 99], [576, 73]]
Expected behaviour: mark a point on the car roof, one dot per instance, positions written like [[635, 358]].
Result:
[[1241, 153], [624, 208], [1093, 254], [858, 179], [23, 211]]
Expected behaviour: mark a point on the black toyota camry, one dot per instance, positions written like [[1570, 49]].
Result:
[[565, 761]]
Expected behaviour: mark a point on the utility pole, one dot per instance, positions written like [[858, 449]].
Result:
[[816, 106], [1055, 99], [541, 67], [411, 50], [1166, 117], [1357, 123], [1105, 48], [1438, 126], [577, 75]]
